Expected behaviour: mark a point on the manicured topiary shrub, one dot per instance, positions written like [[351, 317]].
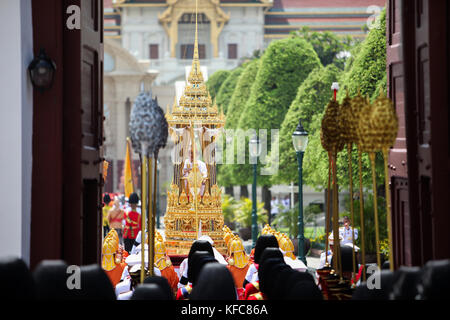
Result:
[[312, 98], [241, 93], [367, 72], [226, 90], [235, 109], [284, 66], [327, 45], [215, 82], [368, 68]]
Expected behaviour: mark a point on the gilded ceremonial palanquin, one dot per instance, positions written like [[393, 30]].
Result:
[[194, 199]]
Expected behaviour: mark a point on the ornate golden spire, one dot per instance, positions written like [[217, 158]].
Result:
[[196, 32], [195, 104], [195, 76]]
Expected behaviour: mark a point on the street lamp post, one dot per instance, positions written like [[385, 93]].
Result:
[[254, 150], [300, 141]]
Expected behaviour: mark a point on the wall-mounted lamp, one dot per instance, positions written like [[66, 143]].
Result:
[[42, 70]]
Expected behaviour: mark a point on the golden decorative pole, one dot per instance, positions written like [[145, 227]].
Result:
[[348, 137], [357, 104], [336, 242], [361, 214], [144, 159], [131, 162], [148, 132], [150, 224], [330, 136], [155, 186], [368, 137], [385, 126], [375, 206], [328, 215], [388, 208]]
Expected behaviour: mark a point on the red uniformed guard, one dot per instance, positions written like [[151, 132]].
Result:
[[133, 223]]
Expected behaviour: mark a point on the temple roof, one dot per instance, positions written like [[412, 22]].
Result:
[[343, 17]]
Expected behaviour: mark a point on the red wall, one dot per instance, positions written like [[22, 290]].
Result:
[[47, 176]]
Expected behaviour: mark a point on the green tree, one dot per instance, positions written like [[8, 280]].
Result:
[[224, 175], [354, 52], [368, 68], [228, 208], [215, 82], [366, 71], [315, 162], [241, 94], [312, 97], [284, 66], [244, 212], [327, 45], [235, 109], [289, 218], [226, 90]]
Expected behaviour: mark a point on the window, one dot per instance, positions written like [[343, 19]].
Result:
[[232, 51], [187, 51], [189, 18], [154, 55]]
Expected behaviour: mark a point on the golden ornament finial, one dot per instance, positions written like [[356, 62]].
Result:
[[196, 32], [384, 122], [364, 131], [330, 133], [357, 105], [345, 121], [378, 124]]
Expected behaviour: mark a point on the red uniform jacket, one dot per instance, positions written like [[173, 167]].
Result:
[[132, 226]]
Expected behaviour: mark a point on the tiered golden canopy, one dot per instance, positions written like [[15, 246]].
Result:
[[193, 124]]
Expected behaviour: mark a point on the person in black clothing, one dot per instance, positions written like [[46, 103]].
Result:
[[198, 245], [263, 242], [215, 282]]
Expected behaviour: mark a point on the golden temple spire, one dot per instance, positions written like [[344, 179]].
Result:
[[195, 76], [196, 32], [195, 104]]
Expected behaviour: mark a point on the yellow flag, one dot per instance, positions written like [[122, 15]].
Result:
[[128, 177], [105, 169]]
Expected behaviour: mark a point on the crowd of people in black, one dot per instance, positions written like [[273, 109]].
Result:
[[211, 280]]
